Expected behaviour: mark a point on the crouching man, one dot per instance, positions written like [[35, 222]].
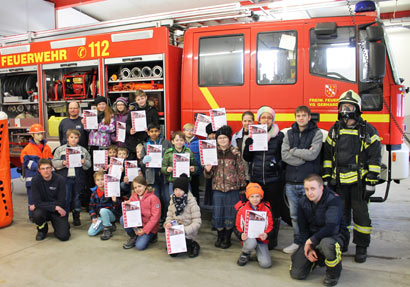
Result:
[[323, 232], [49, 194]]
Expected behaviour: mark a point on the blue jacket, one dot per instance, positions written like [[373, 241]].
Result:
[[324, 219], [193, 145]]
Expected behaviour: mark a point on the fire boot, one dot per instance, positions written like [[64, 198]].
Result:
[[273, 239], [220, 238], [361, 254], [194, 250], [226, 243], [42, 231], [131, 241], [76, 218], [107, 233], [332, 275]]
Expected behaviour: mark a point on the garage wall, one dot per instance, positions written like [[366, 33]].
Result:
[[400, 43], [20, 16]]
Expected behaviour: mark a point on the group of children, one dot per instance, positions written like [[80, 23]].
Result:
[[164, 199]]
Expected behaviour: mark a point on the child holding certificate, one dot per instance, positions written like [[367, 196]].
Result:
[[184, 210], [101, 137], [228, 178], [101, 209], [138, 102], [192, 143], [150, 207], [169, 165], [253, 224], [120, 120], [265, 167], [71, 160], [153, 175]]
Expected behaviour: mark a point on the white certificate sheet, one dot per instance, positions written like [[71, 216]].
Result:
[[116, 167], [131, 169], [73, 156], [139, 121], [175, 237], [131, 214], [180, 164], [120, 132], [100, 159], [90, 120], [111, 186], [207, 151], [218, 118], [259, 134], [155, 152], [200, 125], [255, 223]]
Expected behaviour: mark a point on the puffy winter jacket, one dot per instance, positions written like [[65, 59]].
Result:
[[190, 218], [119, 118], [229, 174], [193, 145], [96, 203], [242, 207], [266, 166], [101, 136], [167, 161], [150, 211]]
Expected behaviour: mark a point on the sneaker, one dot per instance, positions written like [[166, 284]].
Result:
[[107, 233], [130, 243], [291, 248], [243, 259]]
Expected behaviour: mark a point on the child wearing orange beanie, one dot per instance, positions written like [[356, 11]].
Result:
[[254, 194]]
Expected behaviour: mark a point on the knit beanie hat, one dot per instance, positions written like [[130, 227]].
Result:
[[181, 182], [265, 109], [253, 188], [224, 130], [121, 99], [100, 99]]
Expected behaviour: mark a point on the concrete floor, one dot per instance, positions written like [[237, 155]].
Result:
[[85, 261]]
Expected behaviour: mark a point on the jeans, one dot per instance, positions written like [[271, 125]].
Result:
[[294, 192], [106, 216], [142, 240], [73, 187], [262, 251], [162, 192]]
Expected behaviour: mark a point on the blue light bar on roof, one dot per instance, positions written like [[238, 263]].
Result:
[[365, 6]]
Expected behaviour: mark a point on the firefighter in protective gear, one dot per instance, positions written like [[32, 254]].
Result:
[[351, 166]]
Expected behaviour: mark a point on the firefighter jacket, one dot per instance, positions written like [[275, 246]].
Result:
[[30, 156], [300, 150], [323, 219], [242, 208], [351, 154]]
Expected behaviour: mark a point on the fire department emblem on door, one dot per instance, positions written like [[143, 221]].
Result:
[[330, 90]]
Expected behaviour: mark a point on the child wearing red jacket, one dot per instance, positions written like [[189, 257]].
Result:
[[254, 194], [150, 214]]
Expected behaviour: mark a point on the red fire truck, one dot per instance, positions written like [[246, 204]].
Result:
[[240, 67]]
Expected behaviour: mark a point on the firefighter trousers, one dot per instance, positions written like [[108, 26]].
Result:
[[352, 200]]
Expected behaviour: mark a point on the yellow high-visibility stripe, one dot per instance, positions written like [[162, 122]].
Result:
[[42, 225], [330, 141], [362, 229], [290, 117], [348, 132], [374, 168], [333, 263], [327, 163]]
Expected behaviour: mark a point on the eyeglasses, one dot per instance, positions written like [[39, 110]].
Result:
[[188, 130]]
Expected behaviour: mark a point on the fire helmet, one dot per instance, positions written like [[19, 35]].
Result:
[[36, 128], [350, 97]]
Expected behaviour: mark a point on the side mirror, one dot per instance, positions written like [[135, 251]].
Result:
[[377, 61]]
